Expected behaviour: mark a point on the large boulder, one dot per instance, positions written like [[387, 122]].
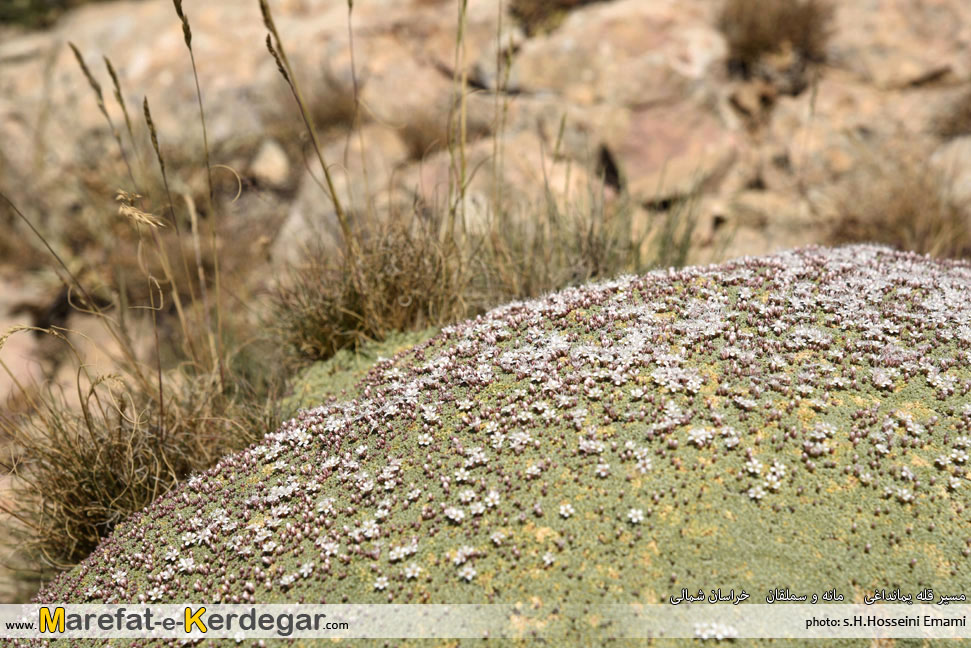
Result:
[[797, 419]]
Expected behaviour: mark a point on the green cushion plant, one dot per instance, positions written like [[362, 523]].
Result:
[[799, 420]]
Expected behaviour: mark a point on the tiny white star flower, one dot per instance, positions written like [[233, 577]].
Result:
[[412, 571], [635, 516], [455, 514]]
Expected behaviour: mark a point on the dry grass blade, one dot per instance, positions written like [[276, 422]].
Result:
[[275, 47], [217, 278], [99, 97], [119, 98], [89, 301]]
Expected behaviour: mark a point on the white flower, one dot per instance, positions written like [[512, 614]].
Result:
[[467, 573], [714, 630], [424, 439], [492, 499], [548, 558], [412, 571], [497, 538], [370, 529], [753, 466], [603, 470], [455, 514], [566, 510], [699, 436], [463, 554], [429, 414], [467, 496], [756, 492], [381, 583], [330, 548], [635, 516]]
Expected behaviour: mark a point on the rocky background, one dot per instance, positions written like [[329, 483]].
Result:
[[861, 132], [645, 90]]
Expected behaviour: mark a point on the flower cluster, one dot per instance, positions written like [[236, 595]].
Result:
[[543, 446]]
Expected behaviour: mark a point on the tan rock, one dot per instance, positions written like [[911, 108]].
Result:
[[629, 52], [312, 217], [953, 161], [899, 43], [270, 165]]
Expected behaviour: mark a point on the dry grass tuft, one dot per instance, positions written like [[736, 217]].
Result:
[[756, 28], [543, 15], [401, 281], [82, 464], [35, 13], [895, 197], [429, 131], [955, 119], [77, 473], [411, 276]]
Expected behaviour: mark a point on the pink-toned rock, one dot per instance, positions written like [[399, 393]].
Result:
[[672, 151]]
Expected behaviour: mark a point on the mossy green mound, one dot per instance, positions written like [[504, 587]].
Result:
[[799, 420]]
